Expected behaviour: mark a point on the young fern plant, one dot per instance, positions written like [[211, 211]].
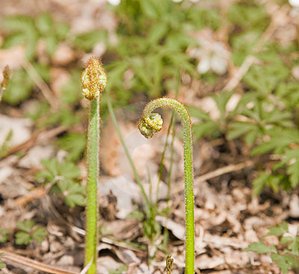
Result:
[[149, 124], [94, 81]]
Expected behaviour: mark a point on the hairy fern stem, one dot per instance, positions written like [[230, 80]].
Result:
[[149, 124], [93, 83]]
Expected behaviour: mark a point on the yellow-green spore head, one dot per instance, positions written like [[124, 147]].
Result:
[[94, 79], [151, 124]]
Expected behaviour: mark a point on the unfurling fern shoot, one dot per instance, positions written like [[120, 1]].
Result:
[[94, 81], [151, 123]]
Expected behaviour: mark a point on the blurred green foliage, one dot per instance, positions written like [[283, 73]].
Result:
[[285, 254], [148, 54], [151, 50], [4, 235], [2, 264], [63, 179], [249, 21], [265, 118], [28, 31], [74, 144], [29, 232]]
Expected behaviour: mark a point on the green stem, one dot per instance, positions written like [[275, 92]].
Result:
[[151, 123], [91, 239], [94, 81]]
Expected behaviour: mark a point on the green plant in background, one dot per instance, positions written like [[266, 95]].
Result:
[[29, 232], [28, 32], [286, 253], [249, 21], [74, 143], [149, 124], [207, 126], [2, 264], [3, 235], [265, 120], [94, 81], [155, 35], [62, 178]]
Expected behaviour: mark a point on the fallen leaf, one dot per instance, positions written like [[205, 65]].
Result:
[[125, 191], [177, 229]]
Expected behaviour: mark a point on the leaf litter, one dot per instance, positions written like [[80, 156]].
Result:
[[228, 217]]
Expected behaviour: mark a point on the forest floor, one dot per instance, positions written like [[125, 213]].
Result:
[[228, 217]]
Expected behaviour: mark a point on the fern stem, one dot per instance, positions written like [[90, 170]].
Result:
[[149, 124], [91, 188], [93, 83]]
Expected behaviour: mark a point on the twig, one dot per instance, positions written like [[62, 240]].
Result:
[[122, 245], [216, 173], [239, 74], [223, 170], [12, 258], [35, 138], [36, 193]]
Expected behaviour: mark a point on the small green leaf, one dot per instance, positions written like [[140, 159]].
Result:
[[261, 248], [75, 199], [74, 193], [294, 246], [28, 232], [282, 262], [221, 101], [291, 159], [19, 88], [23, 238], [238, 129], [279, 229], [2, 264], [26, 225], [69, 170], [74, 144], [69, 91], [51, 44], [56, 171], [86, 41], [39, 234], [3, 235], [44, 23]]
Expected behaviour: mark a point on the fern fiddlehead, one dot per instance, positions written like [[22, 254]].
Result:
[[149, 124]]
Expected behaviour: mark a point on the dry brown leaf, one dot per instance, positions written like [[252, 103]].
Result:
[[177, 229], [125, 191]]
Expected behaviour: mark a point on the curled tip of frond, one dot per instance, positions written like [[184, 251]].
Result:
[[151, 124], [94, 79]]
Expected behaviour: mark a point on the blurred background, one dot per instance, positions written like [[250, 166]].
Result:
[[233, 63]]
